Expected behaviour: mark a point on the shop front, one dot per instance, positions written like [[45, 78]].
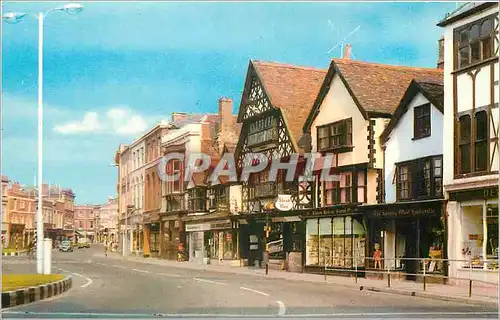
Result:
[[150, 233], [336, 238], [274, 237], [212, 241], [172, 238], [403, 234], [473, 233]]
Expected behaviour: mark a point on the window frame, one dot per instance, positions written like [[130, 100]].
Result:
[[421, 113], [483, 141], [419, 186], [266, 123], [197, 199], [339, 136], [470, 141], [480, 39]]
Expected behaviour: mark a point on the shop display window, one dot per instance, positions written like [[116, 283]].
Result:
[[337, 242]]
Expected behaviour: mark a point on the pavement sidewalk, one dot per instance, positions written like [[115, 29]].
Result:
[[481, 293]]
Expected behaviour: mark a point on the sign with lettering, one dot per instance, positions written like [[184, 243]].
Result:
[[284, 202], [222, 207], [403, 212], [329, 211], [404, 209], [483, 193]]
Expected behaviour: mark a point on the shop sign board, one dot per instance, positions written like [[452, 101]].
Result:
[[330, 211], [403, 212], [222, 207], [197, 227], [284, 202], [483, 193]]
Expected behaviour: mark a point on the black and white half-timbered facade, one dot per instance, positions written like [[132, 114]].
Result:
[[471, 146], [275, 103]]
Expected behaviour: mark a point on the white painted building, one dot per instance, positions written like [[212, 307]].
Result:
[[470, 145], [413, 181]]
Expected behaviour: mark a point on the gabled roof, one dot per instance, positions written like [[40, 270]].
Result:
[[434, 92], [291, 89], [465, 10], [375, 88]]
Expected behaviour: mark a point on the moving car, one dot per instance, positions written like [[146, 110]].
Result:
[[66, 246], [83, 243]]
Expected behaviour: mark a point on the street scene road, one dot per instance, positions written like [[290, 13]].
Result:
[[113, 286]]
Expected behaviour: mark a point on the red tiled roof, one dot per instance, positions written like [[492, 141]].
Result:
[[292, 89], [380, 87]]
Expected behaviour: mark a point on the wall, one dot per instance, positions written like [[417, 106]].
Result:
[[465, 94], [378, 128], [400, 146], [338, 105], [235, 197]]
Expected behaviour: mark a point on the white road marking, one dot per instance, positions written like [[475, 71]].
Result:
[[282, 309], [139, 270], [255, 291], [118, 266], [210, 281], [169, 274], [88, 283]]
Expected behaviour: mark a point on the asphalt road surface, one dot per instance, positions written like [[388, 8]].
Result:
[[107, 287]]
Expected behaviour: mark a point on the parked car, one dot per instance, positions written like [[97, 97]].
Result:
[[66, 246], [83, 243]]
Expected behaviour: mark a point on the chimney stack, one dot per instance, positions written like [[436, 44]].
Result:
[[440, 62], [347, 52], [225, 113]]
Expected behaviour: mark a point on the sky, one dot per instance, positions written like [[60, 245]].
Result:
[[116, 69]]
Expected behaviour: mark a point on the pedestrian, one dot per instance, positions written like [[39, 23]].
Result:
[[105, 248], [31, 250]]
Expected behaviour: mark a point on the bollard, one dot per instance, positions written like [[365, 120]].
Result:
[[425, 286], [267, 268], [356, 277], [470, 288], [325, 273], [389, 279]]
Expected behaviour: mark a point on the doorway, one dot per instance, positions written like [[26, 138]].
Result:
[[407, 232]]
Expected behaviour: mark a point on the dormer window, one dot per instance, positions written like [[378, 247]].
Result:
[[422, 121]]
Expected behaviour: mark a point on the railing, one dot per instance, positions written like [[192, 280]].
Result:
[[423, 269]]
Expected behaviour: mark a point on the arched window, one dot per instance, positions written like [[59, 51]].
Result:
[[481, 141]]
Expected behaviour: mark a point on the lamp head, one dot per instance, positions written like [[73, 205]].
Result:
[[72, 8], [13, 17]]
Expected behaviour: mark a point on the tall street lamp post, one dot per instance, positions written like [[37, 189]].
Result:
[[125, 233], [13, 18]]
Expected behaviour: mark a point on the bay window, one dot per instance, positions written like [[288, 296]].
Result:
[[197, 199], [419, 178]]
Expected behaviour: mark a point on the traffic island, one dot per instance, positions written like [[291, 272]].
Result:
[[18, 289]]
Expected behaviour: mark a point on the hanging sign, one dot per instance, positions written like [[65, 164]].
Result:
[[284, 202]]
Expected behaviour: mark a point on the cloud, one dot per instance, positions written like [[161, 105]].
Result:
[[90, 123], [117, 120]]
